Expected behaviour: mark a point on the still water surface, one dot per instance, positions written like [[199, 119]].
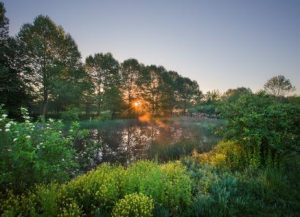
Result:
[[123, 142]]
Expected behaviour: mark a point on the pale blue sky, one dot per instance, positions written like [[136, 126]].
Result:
[[219, 43]]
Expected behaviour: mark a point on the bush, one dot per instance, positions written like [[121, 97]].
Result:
[[228, 154], [168, 184], [41, 201], [134, 205], [33, 153], [218, 191], [70, 115], [266, 127], [97, 190]]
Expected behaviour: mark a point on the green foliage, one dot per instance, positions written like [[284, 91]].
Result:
[[105, 115], [12, 86], [172, 151], [70, 115], [166, 187], [103, 70], [207, 108], [50, 61], [264, 126], [33, 153], [98, 189], [168, 184], [252, 192], [228, 154], [134, 205], [42, 201]]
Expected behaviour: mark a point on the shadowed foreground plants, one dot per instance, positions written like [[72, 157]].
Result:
[[34, 152], [107, 188]]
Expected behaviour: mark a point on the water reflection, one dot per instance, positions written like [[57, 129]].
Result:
[[132, 140]]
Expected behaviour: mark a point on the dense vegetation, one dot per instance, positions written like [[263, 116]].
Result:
[[253, 171]]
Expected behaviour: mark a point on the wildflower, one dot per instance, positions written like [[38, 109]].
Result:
[[28, 137], [6, 130], [9, 149], [7, 125], [51, 120], [4, 115], [15, 139], [63, 159]]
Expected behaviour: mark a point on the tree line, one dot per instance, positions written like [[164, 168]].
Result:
[[41, 68]]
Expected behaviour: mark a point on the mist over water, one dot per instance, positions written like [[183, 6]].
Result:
[[128, 141]]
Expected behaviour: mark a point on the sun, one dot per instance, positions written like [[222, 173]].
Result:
[[137, 104]]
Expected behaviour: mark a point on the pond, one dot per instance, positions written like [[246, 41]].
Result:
[[125, 141]]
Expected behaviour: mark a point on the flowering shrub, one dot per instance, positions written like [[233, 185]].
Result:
[[97, 189], [168, 184], [33, 153], [134, 205], [43, 200]]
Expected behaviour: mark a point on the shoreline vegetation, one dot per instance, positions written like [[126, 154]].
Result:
[[101, 138]]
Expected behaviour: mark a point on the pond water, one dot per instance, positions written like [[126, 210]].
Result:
[[125, 141]]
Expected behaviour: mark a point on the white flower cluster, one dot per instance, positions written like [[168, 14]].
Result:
[[8, 125]]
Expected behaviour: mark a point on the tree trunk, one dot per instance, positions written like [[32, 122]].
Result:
[[45, 103]]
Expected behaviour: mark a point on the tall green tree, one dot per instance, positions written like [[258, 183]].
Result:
[[130, 73], [48, 54], [103, 70], [150, 83], [12, 89], [188, 92], [279, 86]]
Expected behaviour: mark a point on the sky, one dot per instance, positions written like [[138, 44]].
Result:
[[219, 43]]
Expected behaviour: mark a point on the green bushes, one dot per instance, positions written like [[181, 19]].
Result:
[[167, 184], [33, 153], [71, 115], [101, 192], [267, 128], [149, 189], [96, 190], [134, 205], [43, 201], [219, 191]]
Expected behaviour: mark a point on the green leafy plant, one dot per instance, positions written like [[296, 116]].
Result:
[[168, 184], [264, 126], [33, 153], [134, 205], [97, 189]]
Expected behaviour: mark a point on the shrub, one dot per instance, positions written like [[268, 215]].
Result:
[[168, 184], [218, 191], [70, 115], [266, 127], [134, 205], [97, 190], [41, 201], [33, 153], [227, 154]]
